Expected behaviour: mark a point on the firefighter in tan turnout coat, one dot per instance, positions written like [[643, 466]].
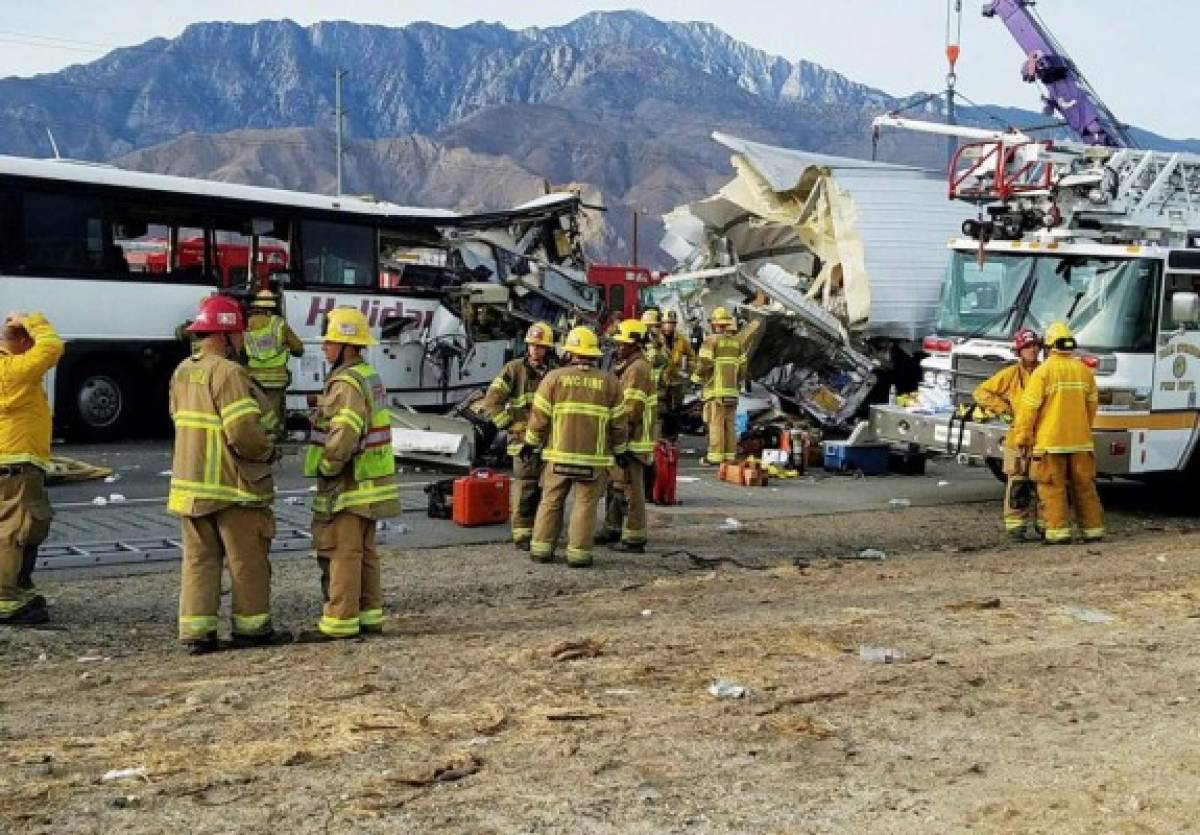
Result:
[[221, 485], [579, 423]]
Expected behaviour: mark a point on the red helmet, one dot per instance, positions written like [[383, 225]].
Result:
[[219, 314], [1024, 338]]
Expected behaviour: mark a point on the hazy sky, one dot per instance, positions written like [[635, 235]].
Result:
[[1141, 56]]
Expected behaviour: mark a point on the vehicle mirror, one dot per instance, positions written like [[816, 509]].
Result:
[[1185, 308]]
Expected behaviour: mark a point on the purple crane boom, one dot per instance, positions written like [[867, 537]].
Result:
[[1069, 94]]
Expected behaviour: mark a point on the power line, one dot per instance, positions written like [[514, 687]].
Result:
[[56, 38]]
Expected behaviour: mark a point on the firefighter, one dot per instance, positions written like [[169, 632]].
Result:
[[1054, 427], [720, 371], [625, 501], [221, 485], [351, 458], [507, 404], [269, 341], [681, 360], [1000, 395], [578, 422], [656, 352], [30, 349]]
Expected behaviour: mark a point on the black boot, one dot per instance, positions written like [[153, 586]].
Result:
[[630, 547], [203, 646], [274, 638], [316, 636], [33, 613]]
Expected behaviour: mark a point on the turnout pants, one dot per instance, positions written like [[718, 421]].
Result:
[[625, 503], [526, 492], [276, 402], [24, 524], [722, 438], [582, 526], [239, 537], [351, 585], [1066, 479]]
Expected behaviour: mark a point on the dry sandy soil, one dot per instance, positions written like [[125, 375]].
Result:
[[1010, 713]]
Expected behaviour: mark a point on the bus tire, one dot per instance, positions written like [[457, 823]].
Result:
[[996, 466], [100, 402]]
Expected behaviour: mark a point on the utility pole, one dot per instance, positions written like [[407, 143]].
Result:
[[635, 237], [339, 114]]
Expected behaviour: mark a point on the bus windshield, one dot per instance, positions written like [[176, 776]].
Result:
[[1108, 302]]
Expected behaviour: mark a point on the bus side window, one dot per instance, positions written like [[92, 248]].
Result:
[[616, 298], [63, 233]]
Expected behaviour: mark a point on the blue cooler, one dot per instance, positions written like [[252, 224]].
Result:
[[869, 459]]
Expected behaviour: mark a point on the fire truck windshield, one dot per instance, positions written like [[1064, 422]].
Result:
[[1108, 302]]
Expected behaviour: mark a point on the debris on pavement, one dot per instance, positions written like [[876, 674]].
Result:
[[899, 504], [882, 655], [572, 650], [969, 605], [730, 525], [572, 715], [448, 772], [801, 699], [138, 773], [1089, 615], [871, 554], [722, 689]]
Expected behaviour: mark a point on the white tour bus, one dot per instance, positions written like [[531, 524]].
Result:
[[118, 260]]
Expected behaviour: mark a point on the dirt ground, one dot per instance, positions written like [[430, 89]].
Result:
[[1012, 711]]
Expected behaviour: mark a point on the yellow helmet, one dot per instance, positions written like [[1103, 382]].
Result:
[[650, 317], [1059, 336], [264, 300], [539, 333], [629, 332], [720, 316], [348, 326], [582, 342]]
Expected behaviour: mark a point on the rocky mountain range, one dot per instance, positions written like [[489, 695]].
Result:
[[476, 117]]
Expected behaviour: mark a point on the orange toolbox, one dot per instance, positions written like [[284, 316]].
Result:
[[481, 498]]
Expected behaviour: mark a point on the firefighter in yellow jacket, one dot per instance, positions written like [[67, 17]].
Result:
[[720, 372], [351, 458], [1000, 395], [30, 349], [221, 485], [269, 342], [1054, 426], [625, 502], [681, 360], [579, 423], [507, 404]]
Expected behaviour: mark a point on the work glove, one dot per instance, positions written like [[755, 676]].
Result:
[[624, 459], [527, 451]]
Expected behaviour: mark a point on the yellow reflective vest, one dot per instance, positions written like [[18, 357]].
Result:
[[24, 409], [579, 417], [222, 453], [720, 367], [1058, 407], [269, 341], [350, 453]]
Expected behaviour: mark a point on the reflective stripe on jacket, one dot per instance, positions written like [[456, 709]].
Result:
[[24, 409], [350, 453], [509, 398], [579, 415], [1057, 407], [720, 367], [222, 453], [641, 404]]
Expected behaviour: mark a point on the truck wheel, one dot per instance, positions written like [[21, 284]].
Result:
[[99, 403], [997, 468]]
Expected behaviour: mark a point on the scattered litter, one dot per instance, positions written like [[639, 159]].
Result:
[[113, 479], [572, 650], [124, 774], [1161, 558], [686, 479], [647, 612], [966, 605], [99, 501], [1089, 615], [730, 525], [447, 773], [43, 656], [803, 699], [868, 554], [618, 691], [294, 500], [943, 484], [899, 504], [166, 473], [882, 655], [91, 659], [573, 715], [116, 498], [722, 689], [480, 740]]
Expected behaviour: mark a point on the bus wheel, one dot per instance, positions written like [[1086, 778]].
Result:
[[997, 468], [99, 403]]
